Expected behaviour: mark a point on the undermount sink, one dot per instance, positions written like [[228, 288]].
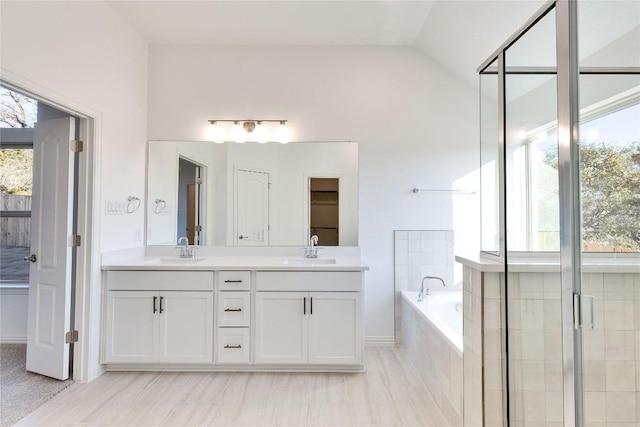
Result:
[[174, 261], [309, 261]]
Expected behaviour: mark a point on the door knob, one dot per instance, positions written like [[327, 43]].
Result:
[[241, 237], [31, 258]]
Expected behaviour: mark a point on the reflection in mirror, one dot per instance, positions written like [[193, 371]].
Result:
[[252, 194]]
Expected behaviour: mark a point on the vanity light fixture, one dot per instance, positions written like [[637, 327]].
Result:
[[248, 130]]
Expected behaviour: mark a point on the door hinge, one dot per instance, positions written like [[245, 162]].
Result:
[[71, 336], [75, 240], [198, 228], [77, 146]]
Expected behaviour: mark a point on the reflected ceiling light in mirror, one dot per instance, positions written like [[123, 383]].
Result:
[[248, 131]]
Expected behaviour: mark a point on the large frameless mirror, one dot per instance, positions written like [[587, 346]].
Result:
[[252, 194]]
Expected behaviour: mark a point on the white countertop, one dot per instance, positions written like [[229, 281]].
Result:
[[262, 263], [550, 263]]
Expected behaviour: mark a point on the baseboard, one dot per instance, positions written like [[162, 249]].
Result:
[[379, 341], [13, 340]]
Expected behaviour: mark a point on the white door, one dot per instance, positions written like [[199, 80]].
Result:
[[186, 327], [131, 327], [51, 228], [252, 208], [281, 327], [335, 328]]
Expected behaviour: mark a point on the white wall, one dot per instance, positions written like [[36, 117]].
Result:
[[83, 52], [84, 56], [416, 125]]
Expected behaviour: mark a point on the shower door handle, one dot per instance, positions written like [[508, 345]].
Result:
[[583, 313]]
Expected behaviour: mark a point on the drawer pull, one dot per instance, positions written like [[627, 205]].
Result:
[[233, 281], [233, 346], [161, 307], [155, 310], [232, 309]]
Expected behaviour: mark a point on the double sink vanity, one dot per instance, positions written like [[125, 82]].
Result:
[[241, 310]]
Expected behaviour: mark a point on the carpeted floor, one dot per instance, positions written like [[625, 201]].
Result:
[[21, 392]]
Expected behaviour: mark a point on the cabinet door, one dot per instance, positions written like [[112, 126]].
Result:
[[335, 328], [281, 327], [131, 327], [186, 327]]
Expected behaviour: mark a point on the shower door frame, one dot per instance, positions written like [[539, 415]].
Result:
[[567, 71]]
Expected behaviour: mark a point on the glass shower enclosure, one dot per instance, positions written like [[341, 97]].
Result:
[[560, 206]]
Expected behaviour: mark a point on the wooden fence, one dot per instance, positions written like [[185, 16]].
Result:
[[15, 222]]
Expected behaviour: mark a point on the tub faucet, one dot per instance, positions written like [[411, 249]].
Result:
[[185, 250], [426, 291], [312, 250]]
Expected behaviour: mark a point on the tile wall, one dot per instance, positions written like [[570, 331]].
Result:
[[420, 253], [437, 361], [611, 351], [482, 361]]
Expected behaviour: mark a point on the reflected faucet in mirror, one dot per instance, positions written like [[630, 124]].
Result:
[[185, 250]]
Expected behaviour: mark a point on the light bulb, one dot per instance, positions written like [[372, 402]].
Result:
[[215, 133], [260, 133], [237, 133], [283, 133]]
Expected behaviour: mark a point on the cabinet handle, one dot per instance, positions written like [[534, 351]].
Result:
[[232, 309], [154, 305], [311, 305], [233, 281], [233, 346], [304, 305], [161, 308]]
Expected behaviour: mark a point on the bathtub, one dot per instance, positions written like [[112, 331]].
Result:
[[443, 309], [431, 335]]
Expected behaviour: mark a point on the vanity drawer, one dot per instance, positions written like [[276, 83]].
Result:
[[335, 281], [233, 345], [234, 308], [234, 280], [160, 280]]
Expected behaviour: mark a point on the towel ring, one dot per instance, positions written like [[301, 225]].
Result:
[[133, 203], [160, 206]]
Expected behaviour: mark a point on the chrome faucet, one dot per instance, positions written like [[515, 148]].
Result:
[[311, 251], [185, 250], [426, 291]]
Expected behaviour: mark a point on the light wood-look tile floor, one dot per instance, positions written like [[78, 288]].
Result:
[[390, 393]]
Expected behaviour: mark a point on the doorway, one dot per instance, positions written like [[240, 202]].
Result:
[[324, 210], [251, 219], [52, 216], [190, 201]]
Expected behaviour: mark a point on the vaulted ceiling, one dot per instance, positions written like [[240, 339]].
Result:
[[458, 34]]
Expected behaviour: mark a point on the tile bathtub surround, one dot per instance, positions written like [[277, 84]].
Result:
[[419, 253], [437, 362]]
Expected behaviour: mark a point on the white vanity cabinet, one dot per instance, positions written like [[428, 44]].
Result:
[[147, 320], [318, 324]]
